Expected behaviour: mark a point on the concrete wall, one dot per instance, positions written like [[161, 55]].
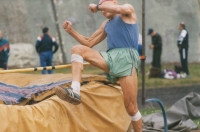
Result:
[[164, 16], [22, 55], [21, 22]]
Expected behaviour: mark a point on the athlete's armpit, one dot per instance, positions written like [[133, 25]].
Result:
[[98, 36]]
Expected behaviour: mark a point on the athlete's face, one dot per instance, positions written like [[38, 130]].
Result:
[[180, 27], [108, 14]]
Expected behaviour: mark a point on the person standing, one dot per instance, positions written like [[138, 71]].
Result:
[[140, 44], [4, 52], [157, 48], [183, 45], [121, 60], [44, 46], [140, 49], [156, 45]]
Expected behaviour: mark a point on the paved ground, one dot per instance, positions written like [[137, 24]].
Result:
[[168, 95]]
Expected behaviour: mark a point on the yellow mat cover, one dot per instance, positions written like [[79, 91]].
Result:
[[102, 108]]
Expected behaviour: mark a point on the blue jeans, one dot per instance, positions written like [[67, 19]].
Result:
[[3, 64], [46, 60]]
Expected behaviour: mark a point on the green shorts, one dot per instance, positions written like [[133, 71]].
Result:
[[121, 62]]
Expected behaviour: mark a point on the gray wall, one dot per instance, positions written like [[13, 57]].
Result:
[[22, 20], [165, 15]]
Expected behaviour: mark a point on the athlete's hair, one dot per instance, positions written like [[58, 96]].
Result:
[[45, 30], [182, 25]]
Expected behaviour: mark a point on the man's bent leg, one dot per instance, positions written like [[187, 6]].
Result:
[[72, 94], [79, 53], [129, 89]]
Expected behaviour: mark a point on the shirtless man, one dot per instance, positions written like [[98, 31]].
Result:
[[120, 62]]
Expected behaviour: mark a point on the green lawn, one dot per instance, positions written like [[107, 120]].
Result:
[[194, 78]]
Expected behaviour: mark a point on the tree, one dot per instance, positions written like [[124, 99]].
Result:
[[53, 3]]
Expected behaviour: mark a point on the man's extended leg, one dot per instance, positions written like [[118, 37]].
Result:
[[80, 53], [129, 89]]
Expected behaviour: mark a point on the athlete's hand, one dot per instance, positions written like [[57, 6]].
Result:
[[151, 46], [93, 8], [67, 25]]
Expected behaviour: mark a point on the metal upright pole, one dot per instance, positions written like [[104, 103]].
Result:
[[143, 52]]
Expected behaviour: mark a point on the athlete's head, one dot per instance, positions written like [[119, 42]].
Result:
[[45, 30], [108, 2], [181, 26], [151, 32]]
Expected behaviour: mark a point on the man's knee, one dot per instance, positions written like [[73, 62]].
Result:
[[131, 108], [76, 54], [77, 49], [133, 111], [136, 117]]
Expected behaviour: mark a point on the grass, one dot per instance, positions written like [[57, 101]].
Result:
[[194, 78], [150, 111], [197, 121]]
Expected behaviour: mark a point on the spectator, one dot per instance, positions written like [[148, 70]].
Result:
[[140, 44], [44, 46], [140, 49], [157, 51], [183, 46], [4, 52]]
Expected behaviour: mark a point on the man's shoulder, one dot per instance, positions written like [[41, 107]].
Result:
[[104, 24], [39, 38], [157, 35], [5, 41], [184, 31], [52, 38]]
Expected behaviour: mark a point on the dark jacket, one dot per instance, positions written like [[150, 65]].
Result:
[[4, 50], [46, 43], [157, 41], [157, 50]]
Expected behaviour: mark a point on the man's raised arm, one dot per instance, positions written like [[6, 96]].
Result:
[[117, 9], [96, 37]]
